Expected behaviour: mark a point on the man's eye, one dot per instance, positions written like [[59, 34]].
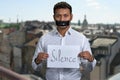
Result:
[[65, 15], [57, 15]]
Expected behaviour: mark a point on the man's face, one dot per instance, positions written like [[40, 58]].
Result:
[[62, 14]]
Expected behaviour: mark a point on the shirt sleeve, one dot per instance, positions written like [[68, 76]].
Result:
[[37, 50], [89, 66]]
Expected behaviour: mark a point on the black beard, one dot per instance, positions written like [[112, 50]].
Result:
[[62, 23]]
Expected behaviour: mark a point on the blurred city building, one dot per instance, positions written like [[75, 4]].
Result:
[[17, 46]]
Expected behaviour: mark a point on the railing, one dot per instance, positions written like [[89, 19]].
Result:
[[6, 74]]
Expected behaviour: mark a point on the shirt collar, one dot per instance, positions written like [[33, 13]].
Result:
[[69, 32]]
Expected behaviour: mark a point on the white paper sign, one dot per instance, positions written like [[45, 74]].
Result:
[[63, 56]]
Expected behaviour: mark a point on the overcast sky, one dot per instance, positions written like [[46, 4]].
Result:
[[97, 11]]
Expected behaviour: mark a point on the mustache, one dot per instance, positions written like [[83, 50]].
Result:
[[62, 23]]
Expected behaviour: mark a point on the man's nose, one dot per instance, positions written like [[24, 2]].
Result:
[[62, 18]]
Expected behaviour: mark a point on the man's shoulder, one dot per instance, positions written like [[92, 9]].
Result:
[[50, 33], [77, 33]]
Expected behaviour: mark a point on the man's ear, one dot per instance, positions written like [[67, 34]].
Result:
[[71, 17]]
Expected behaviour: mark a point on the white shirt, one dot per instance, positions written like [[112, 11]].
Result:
[[71, 37]]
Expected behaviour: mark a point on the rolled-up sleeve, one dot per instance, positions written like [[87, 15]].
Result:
[[90, 66]]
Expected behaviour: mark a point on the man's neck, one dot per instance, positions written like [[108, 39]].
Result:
[[63, 31]]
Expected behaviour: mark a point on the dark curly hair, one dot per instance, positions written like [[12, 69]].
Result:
[[62, 5]]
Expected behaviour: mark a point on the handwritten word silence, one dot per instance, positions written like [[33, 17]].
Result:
[[57, 56]]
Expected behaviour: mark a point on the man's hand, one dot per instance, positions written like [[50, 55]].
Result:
[[41, 56], [86, 55]]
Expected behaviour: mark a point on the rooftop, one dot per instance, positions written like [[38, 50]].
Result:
[[103, 41]]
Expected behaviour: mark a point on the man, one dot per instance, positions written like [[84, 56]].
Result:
[[63, 35]]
